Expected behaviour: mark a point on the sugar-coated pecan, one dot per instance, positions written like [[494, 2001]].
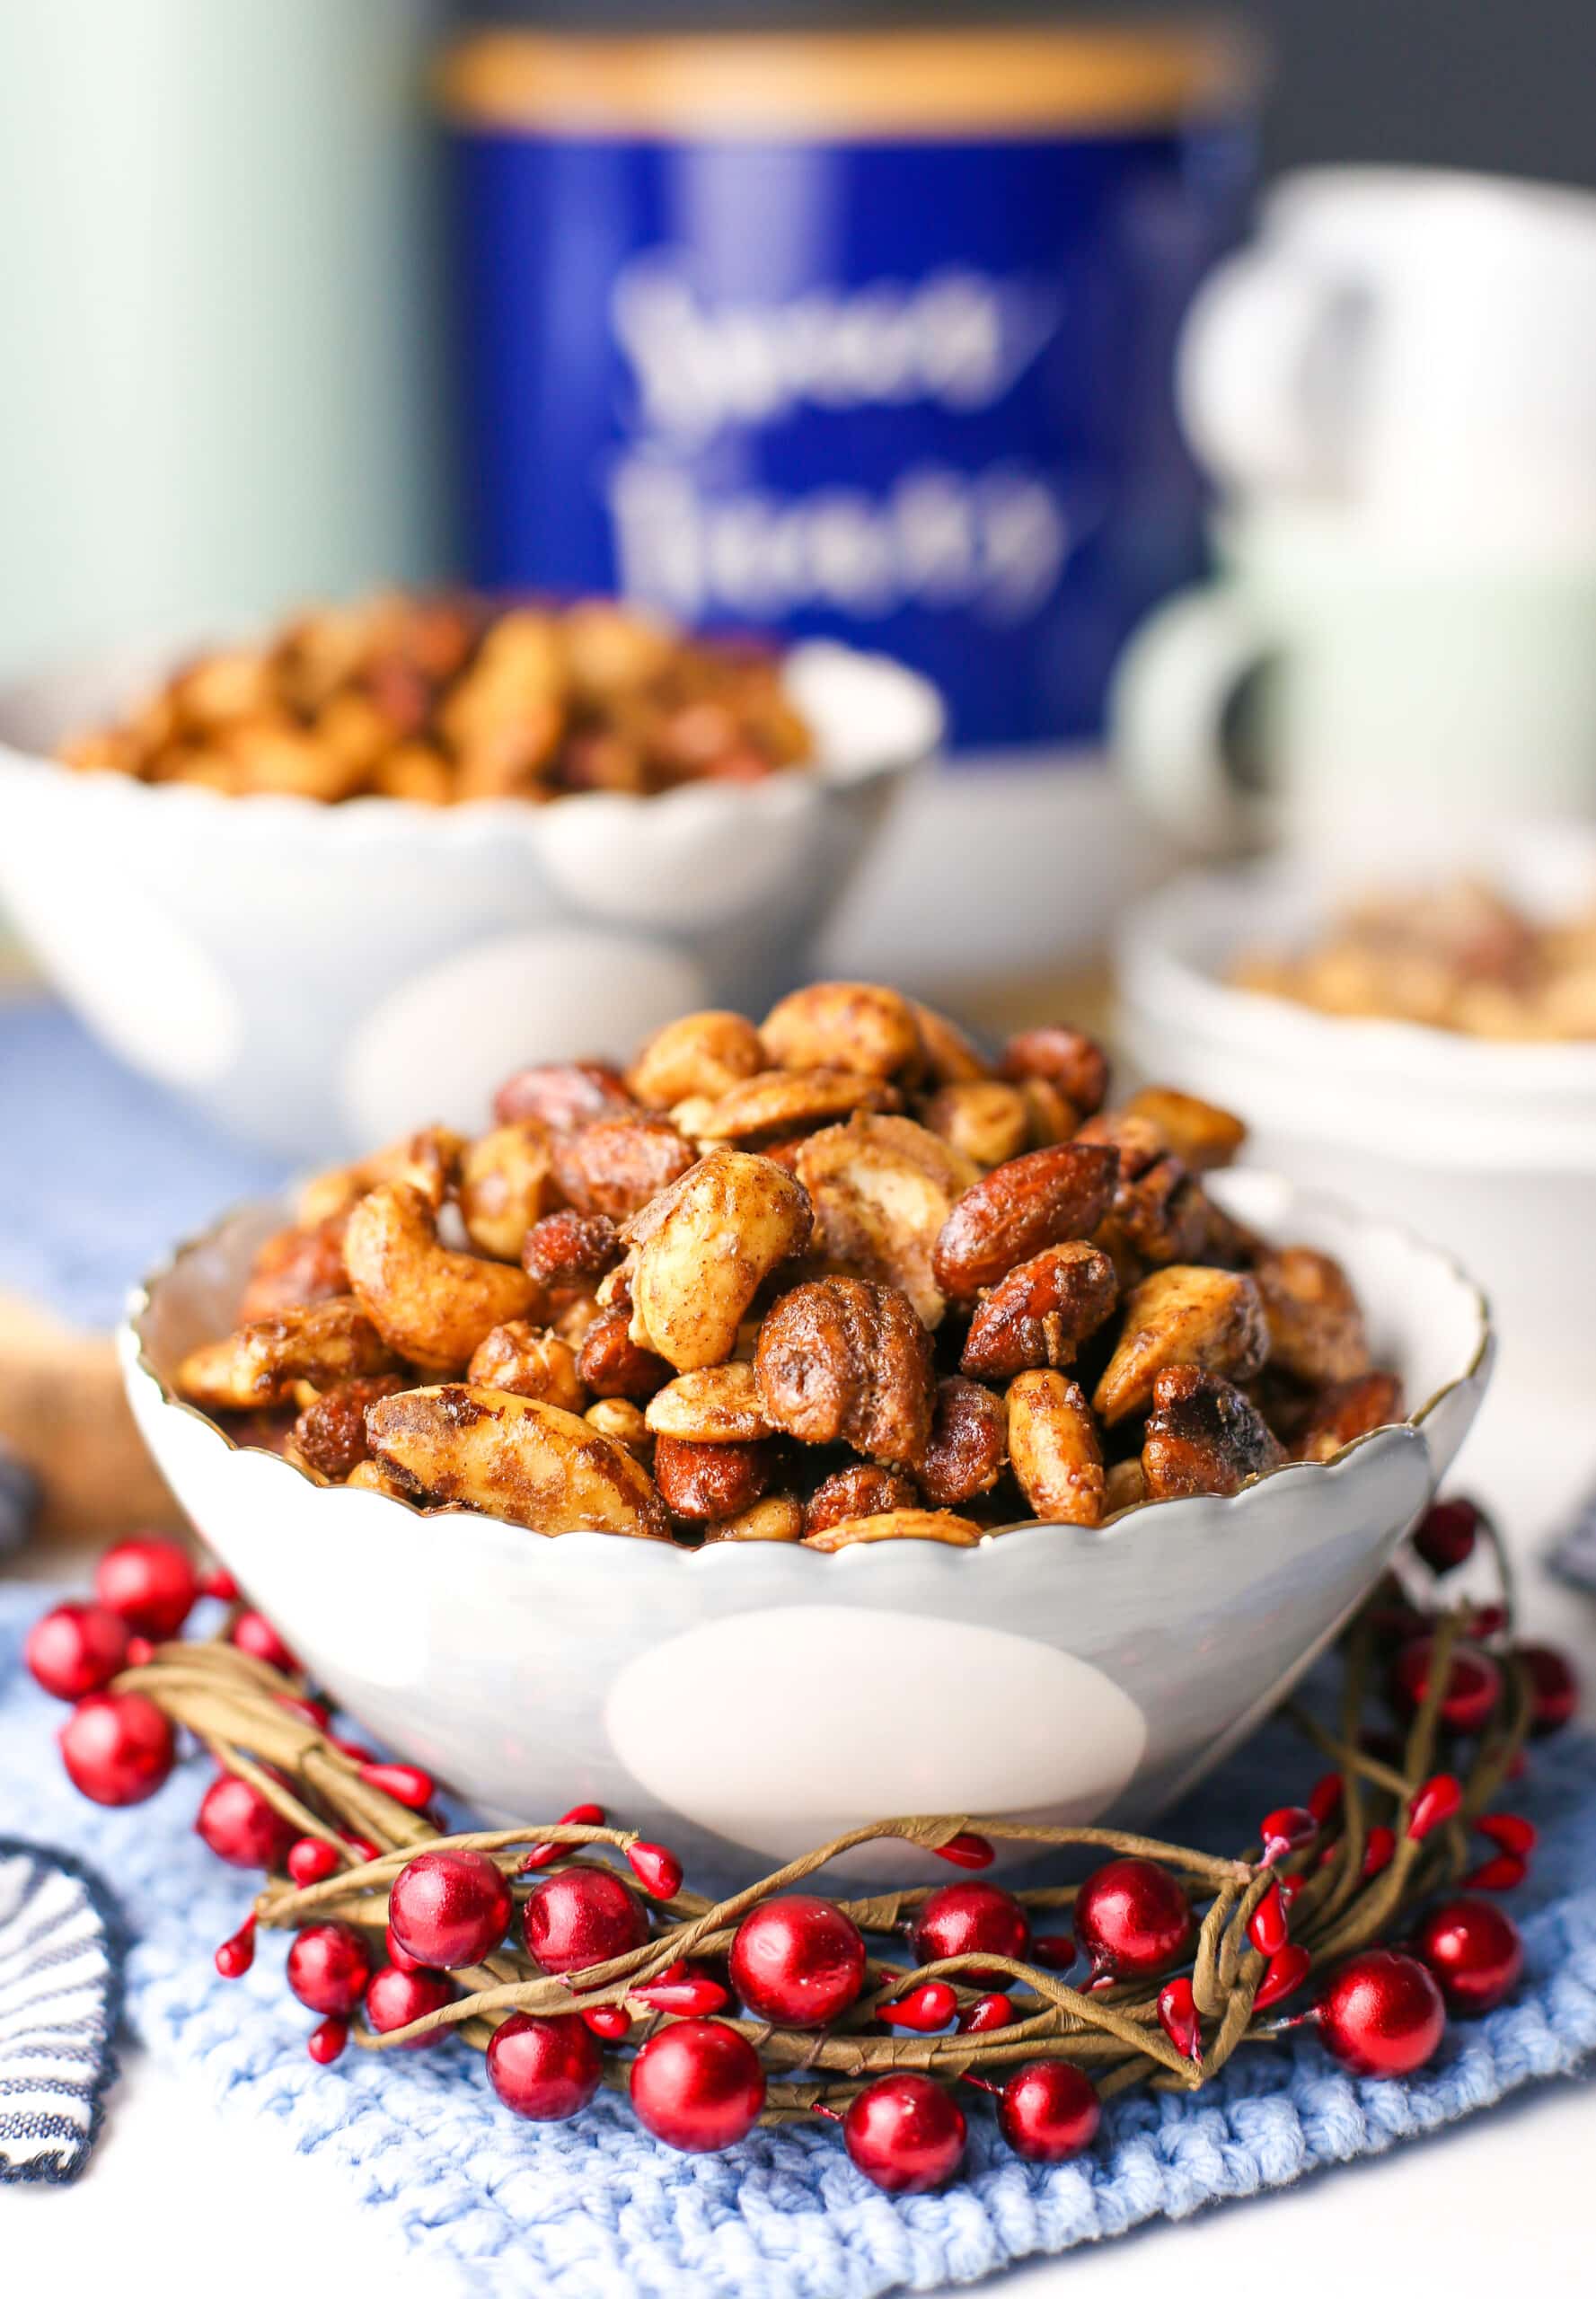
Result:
[[853, 1025], [881, 1189], [863, 1490], [719, 1405], [780, 1518], [1316, 1328], [704, 1053], [703, 1247], [899, 1525], [612, 1365], [981, 1118], [514, 1458], [968, 1448], [1201, 1134], [429, 1304], [1346, 1410], [503, 1187], [700, 1482], [779, 1103], [1203, 1436], [565, 1247], [1068, 1059], [842, 1362], [1159, 1213], [563, 1094], [530, 1362], [1042, 1311], [294, 1268], [616, 1165], [950, 1057], [1208, 1317], [620, 1418], [1042, 1199], [330, 1435], [1053, 1443], [264, 1363]]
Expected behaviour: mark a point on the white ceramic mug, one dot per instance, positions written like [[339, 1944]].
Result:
[[1415, 347], [1405, 693]]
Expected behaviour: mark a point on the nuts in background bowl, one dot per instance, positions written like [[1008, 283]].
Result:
[[761, 1287]]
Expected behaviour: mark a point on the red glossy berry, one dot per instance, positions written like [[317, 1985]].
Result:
[[395, 1998], [1379, 1850], [449, 1909], [1048, 2111], [798, 1961], [582, 1917], [905, 2133], [970, 1920], [309, 1712], [1488, 1621], [544, 2069], [1447, 1533], [219, 1583], [253, 1633], [686, 1989], [355, 1750], [407, 1784], [1475, 1951], [1510, 1830], [987, 2012], [1177, 2017], [1131, 1917], [397, 1956], [152, 1584], [657, 1870], [117, 1747], [329, 1966], [327, 2041], [361, 1846], [967, 1850], [1283, 1975], [697, 2086], [140, 1651], [1267, 1927], [1055, 1951], [1554, 1689], [1324, 1798], [1473, 1683], [1382, 2014], [925, 2009], [311, 1860], [1289, 1829], [241, 1828], [612, 2021], [580, 1816], [75, 1649], [1438, 1801], [1504, 1873], [236, 1955]]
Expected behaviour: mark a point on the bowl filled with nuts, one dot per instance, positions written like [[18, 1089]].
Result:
[[812, 1420], [265, 872]]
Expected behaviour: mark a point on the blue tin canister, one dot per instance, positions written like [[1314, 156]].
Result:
[[861, 335]]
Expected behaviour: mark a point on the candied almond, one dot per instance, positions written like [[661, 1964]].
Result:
[[563, 1094], [613, 1365], [615, 1165], [567, 1245], [1042, 1311], [1043, 1198]]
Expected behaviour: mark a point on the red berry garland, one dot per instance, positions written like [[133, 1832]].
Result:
[[798, 1961], [905, 2133], [545, 2070], [698, 2086], [449, 1907]]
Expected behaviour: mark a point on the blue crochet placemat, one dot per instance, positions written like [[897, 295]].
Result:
[[594, 2209]]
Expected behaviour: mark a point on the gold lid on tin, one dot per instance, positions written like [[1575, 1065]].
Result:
[[943, 85]]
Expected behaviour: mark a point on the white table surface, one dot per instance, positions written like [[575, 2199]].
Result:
[[193, 2204]]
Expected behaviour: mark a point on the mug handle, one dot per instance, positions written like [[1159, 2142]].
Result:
[[1167, 707], [1264, 371]]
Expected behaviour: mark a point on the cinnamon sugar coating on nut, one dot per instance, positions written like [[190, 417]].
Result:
[[529, 1363], [615, 1165], [514, 1458], [899, 1525], [701, 1055], [565, 1247], [1053, 1443], [612, 1365], [1201, 1135], [863, 1490], [330, 1435], [718, 1405], [981, 1118], [853, 1025], [1159, 1213], [563, 1094], [1203, 1436], [780, 1518], [1068, 1059], [1208, 1317], [702, 1249], [427, 1160], [620, 1418], [430, 1305], [1043, 1199], [881, 1189], [780, 1102], [968, 1448], [505, 1184], [1316, 1328], [1348, 1410], [842, 1362], [294, 1268], [700, 1482], [1042, 1311], [262, 1364]]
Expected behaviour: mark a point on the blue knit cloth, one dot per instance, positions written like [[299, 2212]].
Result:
[[594, 2209]]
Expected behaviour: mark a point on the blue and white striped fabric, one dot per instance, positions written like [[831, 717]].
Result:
[[61, 1952]]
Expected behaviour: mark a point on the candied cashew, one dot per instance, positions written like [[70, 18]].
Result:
[[1203, 1436], [881, 1188], [1316, 1328], [1053, 1443], [529, 1363], [981, 1118], [853, 1025], [1212, 1318], [843, 1361], [1347, 1410], [700, 1482], [705, 1054], [899, 1525], [1042, 1311], [864, 1489], [505, 1184], [330, 1340], [431, 1305], [514, 1458], [294, 1268], [718, 1405], [615, 1165], [968, 1449], [780, 1517], [1201, 1135], [778, 1102], [429, 1160], [1043, 1199], [704, 1247]]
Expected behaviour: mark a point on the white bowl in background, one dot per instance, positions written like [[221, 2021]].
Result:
[[294, 968], [745, 1702]]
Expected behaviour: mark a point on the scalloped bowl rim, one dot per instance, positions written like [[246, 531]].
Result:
[[1166, 1519]]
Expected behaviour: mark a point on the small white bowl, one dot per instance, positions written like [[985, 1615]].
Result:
[[283, 963], [745, 1703]]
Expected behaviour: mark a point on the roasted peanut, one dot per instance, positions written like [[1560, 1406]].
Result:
[[504, 1186], [704, 1247], [899, 1525], [1348, 1410], [950, 1058], [427, 1160], [429, 1304], [529, 1363], [780, 1102], [294, 1268], [1068, 1059], [329, 1438], [779, 1519], [1053, 1443], [514, 1458], [1042, 1311], [881, 1189], [851, 1025], [1212, 1318], [615, 1165], [842, 1361], [566, 1247], [618, 1418], [1203, 1436], [702, 1054], [330, 1340], [613, 1365], [1043, 1199], [981, 1118], [698, 1482], [1201, 1134], [719, 1405], [1316, 1328], [563, 1094], [863, 1490], [968, 1448]]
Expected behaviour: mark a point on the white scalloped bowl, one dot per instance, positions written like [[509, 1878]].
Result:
[[745, 1702], [279, 961]]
